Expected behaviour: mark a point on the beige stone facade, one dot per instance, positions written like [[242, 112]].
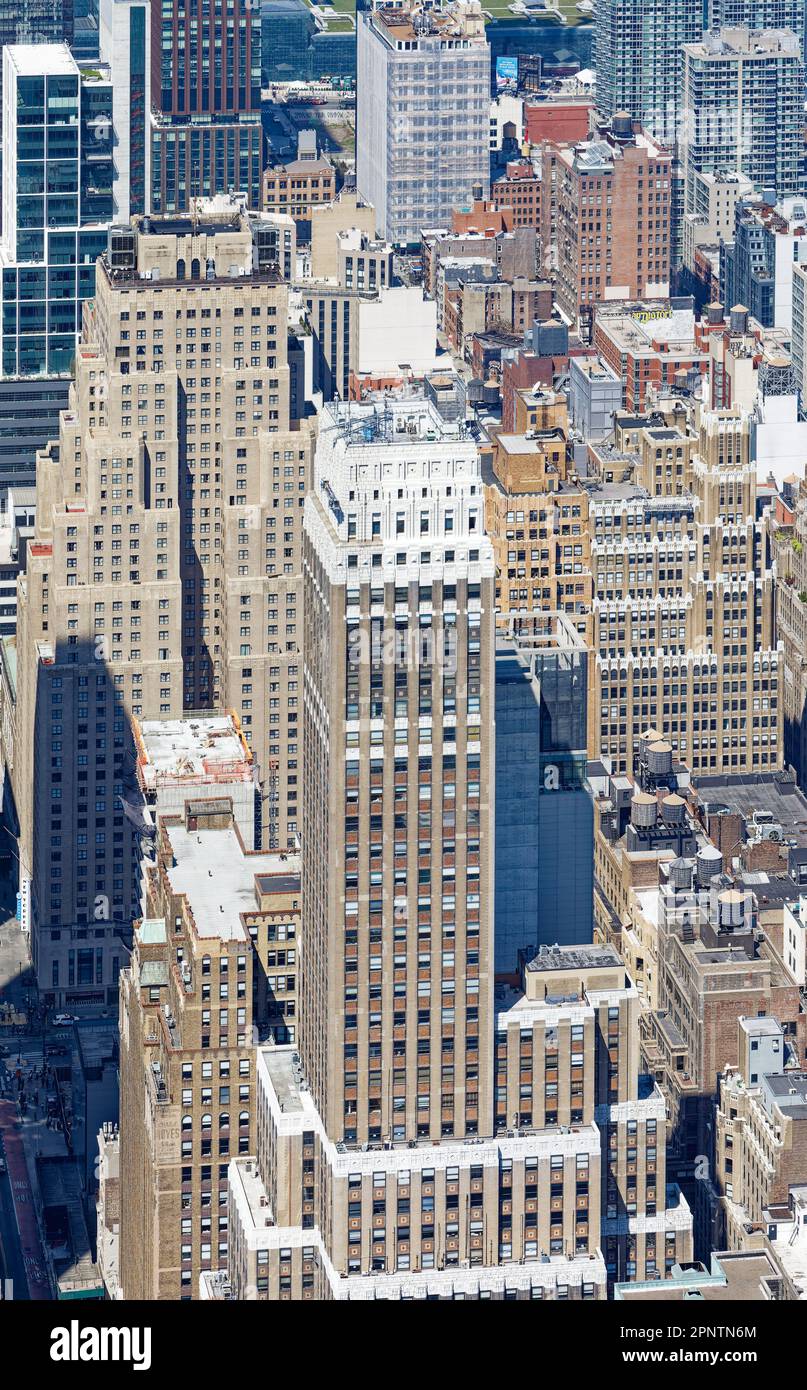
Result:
[[664, 570], [201, 987], [165, 575], [432, 1135]]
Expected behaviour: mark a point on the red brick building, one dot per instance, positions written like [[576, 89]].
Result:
[[519, 373], [647, 344], [563, 122], [605, 217], [483, 218], [519, 188]]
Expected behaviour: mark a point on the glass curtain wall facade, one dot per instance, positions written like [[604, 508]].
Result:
[[57, 204]]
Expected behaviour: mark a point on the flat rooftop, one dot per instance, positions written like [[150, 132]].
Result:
[[36, 60], [279, 883], [209, 224], [97, 1041], [789, 1090], [60, 1190], [547, 632], [647, 328], [751, 43], [285, 1076], [734, 1277], [200, 746], [594, 368], [218, 878], [575, 958], [762, 1027], [533, 443], [770, 792], [790, 1249], [406, 421], [614, 492]]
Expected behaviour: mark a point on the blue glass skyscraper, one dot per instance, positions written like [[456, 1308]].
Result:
[[57, 203]]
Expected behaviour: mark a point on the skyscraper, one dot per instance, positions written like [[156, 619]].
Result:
[[594, 224], [410, 1149], [187, 1046], [206, 97], [756, 14], [74, 158], [34, 21], [165, 571], [423, 89], [57, 203], [395, 552], [637, 55], [743, 95], [125, 39], [544, 810]]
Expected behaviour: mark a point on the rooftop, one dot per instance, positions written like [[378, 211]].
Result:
[[317, 166], [77, 1274], [592, 367], [773, 792], [151, 931], [406, 421], [198, 747], [34, 60], [218, 878], [575, 958], [97, 1041], [413, 24], [734, 1276], [645, 328], [280, 882], [787, 1233], [533, 443], [788, 1092], [753, 43]]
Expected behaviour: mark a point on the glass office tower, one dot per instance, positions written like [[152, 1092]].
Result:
[[544, 808], [57, 203]]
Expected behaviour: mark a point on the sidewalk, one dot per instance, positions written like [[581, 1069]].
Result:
[[16, 976], [24, 1211]]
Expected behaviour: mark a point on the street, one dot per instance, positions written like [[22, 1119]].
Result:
[[13, 967], [23, 1099], [11, 1263]]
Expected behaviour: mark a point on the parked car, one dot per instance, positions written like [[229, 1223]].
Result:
[[64, 1020]]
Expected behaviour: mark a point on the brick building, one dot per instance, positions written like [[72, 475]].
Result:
[[204, 981], [605, 217], [761, 1129], [561, 120], [520, 372], [520, 189], [295, 188], [649, 345]]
